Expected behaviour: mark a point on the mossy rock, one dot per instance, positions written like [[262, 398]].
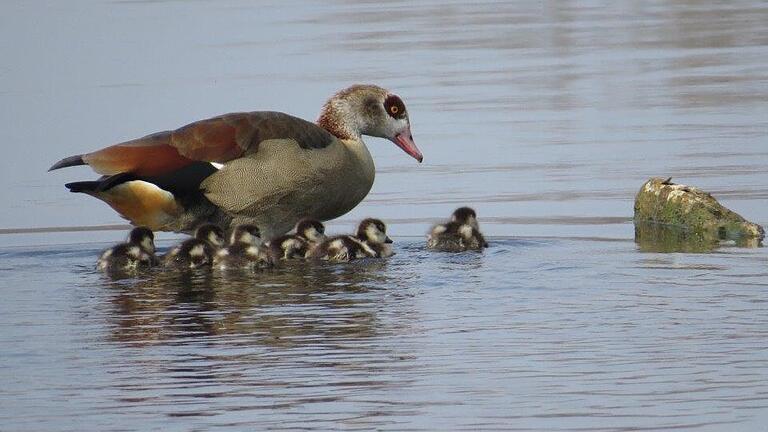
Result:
[[660, 201]]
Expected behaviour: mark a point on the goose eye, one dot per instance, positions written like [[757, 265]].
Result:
[[394, 107]]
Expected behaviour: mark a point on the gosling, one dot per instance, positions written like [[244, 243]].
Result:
[[245, 250], [309, 234], [138, 252], [370, 240], [197, 251], [460, 234]]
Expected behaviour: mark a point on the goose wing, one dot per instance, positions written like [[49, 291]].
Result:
[[219, 139]]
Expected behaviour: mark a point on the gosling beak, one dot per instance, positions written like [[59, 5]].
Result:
[[388, 240], [404, 140]]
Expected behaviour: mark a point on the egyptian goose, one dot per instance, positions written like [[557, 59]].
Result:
[[370, 240], [264, 168], [197, 251], [461, 233], [245, 250], [309, 233], [137, 252]]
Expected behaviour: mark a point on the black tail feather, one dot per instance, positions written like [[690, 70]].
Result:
[[84, 186], [68, 162], [100, 185], [108, 182]]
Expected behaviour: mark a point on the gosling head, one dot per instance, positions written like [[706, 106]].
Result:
[[465, 216], [210, 233], [366, 109], [472, 236], [144, 238], [246, 234], [373, 231], [311, 230]]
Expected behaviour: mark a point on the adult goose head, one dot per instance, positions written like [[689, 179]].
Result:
[[369, 110]]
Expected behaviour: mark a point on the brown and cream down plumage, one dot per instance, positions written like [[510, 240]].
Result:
[[459, 234], [138, 252], [245, 250], [197, 251], [370, 241], [309, 233]]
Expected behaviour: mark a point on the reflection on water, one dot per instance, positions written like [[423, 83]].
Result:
[[161, 304], [569, 332], [652, 237]]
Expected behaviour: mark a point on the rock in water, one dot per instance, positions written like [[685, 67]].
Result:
[[660, 201]]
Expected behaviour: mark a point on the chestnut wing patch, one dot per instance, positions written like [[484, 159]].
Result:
[[218, 139], [227, 137]]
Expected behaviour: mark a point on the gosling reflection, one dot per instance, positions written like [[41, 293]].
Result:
[[295, 304]]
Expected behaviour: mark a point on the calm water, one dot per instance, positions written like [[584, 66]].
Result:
[[545, 116]]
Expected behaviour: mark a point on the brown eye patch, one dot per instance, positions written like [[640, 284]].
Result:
[[394, 107]]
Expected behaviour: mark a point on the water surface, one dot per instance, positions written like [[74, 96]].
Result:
[[534, 334]]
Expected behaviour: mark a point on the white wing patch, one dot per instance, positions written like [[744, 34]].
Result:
[[367, 250], [215, 239], [148, 244], [465, 231], [198, 250], [103, 261], [249, 238], [439, 229]]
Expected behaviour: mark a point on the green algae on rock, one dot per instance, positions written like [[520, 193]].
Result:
[[660, 201]]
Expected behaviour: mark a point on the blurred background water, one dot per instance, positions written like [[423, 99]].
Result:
[[545, 116]]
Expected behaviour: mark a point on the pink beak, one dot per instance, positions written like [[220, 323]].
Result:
[[404, 140]]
